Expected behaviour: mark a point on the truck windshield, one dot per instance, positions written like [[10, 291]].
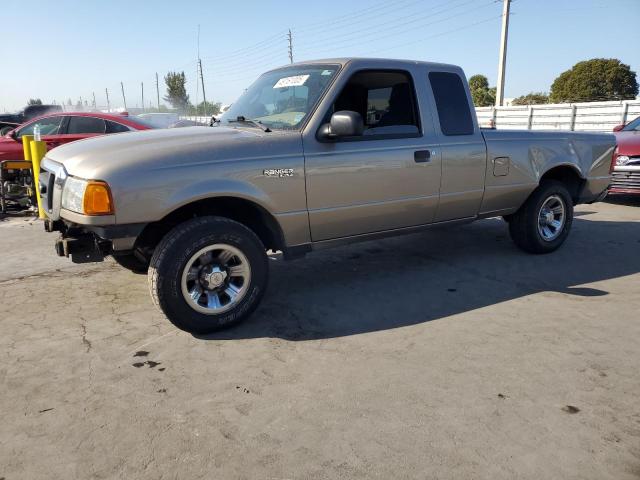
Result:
[[283, 98]]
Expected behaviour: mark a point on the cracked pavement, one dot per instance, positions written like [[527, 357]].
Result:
[[448, 354]]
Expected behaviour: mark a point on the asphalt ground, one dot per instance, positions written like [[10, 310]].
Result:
[[447, 354]]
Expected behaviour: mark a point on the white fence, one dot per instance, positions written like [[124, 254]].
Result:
[[585, 117], [199, 119]]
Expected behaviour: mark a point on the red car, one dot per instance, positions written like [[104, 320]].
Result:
[[64, 127], [626, 171]]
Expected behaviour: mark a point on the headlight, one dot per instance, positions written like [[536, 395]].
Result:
[[622, 160], [89, 197], [73, 193]]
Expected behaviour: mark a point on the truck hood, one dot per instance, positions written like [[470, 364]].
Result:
[[103, 157], [628, 143]]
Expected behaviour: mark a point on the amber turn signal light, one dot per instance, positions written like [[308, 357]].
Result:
[[97, 199]]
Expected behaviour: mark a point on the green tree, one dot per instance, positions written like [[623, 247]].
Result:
[[533, 98], [34, 101], [482, 95], [176, 90], [593, 80], [209, 108]]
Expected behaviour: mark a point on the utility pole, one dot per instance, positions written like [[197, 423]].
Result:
[[124, 99], [106, 90], [142, 91], [158, 91], [290, 37], [502, 63], [197, 67], [94, 100], [204, 95]]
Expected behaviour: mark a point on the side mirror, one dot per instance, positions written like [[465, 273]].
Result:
[[344, 123], [617, 128]]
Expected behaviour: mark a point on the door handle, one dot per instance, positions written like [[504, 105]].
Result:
[[422, 156]]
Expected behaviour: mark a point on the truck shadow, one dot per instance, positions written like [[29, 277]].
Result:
[[628, 200], [430, 276]]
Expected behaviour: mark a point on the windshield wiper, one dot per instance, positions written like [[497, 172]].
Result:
[[255, 123]]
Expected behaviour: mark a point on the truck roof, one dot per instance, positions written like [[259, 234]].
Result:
[[382, 62]]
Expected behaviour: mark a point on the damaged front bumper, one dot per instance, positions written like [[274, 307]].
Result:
[[91, 243]]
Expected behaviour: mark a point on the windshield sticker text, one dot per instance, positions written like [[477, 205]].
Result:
[[295, 81]]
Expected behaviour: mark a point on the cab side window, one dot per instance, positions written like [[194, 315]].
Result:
[[48, 126], [452, 103], [79, 125], [386, 101]]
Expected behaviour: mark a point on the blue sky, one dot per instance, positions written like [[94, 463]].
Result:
[[81, 47]]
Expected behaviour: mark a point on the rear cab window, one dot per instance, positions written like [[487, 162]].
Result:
[[452, 103]]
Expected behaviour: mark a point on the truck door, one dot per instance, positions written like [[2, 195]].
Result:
[[464, 154], [385, 179]]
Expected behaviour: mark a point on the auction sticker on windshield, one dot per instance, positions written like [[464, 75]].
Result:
[[295, 81]]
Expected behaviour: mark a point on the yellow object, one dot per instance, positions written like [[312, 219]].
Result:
[[38, 151], [97, 199], [26, 146], [16, 165]]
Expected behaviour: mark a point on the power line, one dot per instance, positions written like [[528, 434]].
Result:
[[351, 44], [454, 30], [381, 7], [373, 27], [248, 50], [267, 43], [270, 60]]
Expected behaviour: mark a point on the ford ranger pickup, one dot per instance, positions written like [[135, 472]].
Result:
[[312, 155]]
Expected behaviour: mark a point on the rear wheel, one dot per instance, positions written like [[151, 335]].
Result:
[[208, 273], [543, 223]]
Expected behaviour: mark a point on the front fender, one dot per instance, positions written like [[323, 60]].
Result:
[[223, 187]]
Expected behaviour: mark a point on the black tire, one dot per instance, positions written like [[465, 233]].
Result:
[[523, 226], [172, 255], [132, 263]]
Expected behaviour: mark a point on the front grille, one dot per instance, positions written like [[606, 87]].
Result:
[[46, 189], [626, 180]]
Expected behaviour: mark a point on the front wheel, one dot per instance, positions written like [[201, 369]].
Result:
[[543, 223], [208, 273]]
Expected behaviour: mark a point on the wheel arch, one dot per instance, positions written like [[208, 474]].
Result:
[[569, 175], [242, 210]]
